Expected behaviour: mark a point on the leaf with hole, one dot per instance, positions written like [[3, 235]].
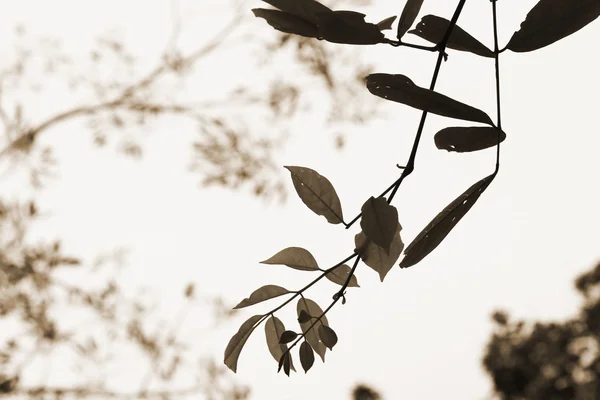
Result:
[[261, 294], [237, 342], [376, 257], [294, 257], [462, 139], [340, 274], [317, 193], [379, 221], [552, 20], [433, 234], [307, 356], [304, 316], [287, 337], [328, 336], [386, 24], [287, 23], [433, 29], [348, 27], [409, 14], [273, 330], [401, 89], [311, 335]]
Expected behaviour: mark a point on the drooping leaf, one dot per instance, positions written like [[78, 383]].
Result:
[[443, 223], [311, 335], [317, 193], [433, 29], [348, 27], [286, 362], [386, 24], [551, 20], [273, 330], [379, 221], [409, 14], [287, 23], [261, 294], [304, 316], [401, 89], [237, 342], [376, 257], [307, 356], [287, 337], [465, 139], [340, 274], [305, 9], [328, 336], [294, 257]]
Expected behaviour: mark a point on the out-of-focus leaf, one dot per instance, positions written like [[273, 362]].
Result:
[[287, 23], [409, 14], [237, 342], [551, 20], [401, 89], [340, 274], [287, 337], [465, 139], [307, 356], [328, 336], [443, 223], [311, 336], [261, 294], [348, 27], [433, 28], [304, 316], [379, 221], [386, 23], [273, 330], [305, 9], [376, 257], [294, 257], [317, 193]]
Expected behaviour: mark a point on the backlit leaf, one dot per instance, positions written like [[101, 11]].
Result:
[[261, 294], [287, 337], [379, 221], [273, 330], [409, 14], [348, 27], [317, 193], [401, 89], [237, 342], [375, 256], [311, 335], [433, 29], [287, 23], [307, 356], [340, 274], [386, 23], [294, 257], [465, 139], [551, 20], [443, 223], [328, 336], [305, 9]]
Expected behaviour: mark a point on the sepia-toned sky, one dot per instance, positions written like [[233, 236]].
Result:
[[421, 333]]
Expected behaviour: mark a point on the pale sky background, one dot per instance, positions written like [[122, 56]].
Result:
[[419, 335]]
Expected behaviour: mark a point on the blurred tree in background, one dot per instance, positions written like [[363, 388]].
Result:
[[549, 360]]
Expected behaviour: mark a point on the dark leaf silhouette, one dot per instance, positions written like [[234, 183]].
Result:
[[375, 256], [307, 356], [305, 9], [311, 335], [386, 23], [348, 27], [443, 223], [340, 274], [317, 193], [304, 316], [261, 294], [433, 28], [328, 336], [287, 337], [551, 20], [409, 14], [401, 89], [287, 23], [237, 342], [286, 363], [379, 221], [465, 139], [273, 330], [294, 257]]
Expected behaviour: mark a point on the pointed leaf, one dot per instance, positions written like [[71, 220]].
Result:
[[379, 221], [433, 29], [287, 337], [311, 335], [237, 342], [443, 223], [328, 336], [287, 23], [465, 139], [409, 14], [348, 27], [317, 193], [286, 362], [376, 257], [304, 316], [340, 274], [294, 257], [261, 294], [307, 356], [551, 20], [386, 23], [401, 89], [305, 9], [273, 330]]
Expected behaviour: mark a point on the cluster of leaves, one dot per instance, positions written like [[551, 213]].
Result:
[[379, 244]]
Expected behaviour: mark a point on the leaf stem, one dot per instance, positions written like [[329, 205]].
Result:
[[497, 67]]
